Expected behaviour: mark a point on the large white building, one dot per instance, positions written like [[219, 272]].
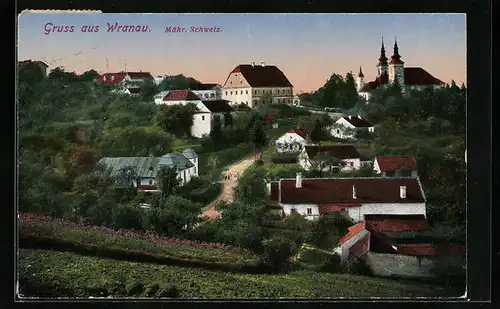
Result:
[[252, 84], [351, 197], [390, 72], [186, 165]]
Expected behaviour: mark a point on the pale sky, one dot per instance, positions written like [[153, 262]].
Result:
[[308, 48]]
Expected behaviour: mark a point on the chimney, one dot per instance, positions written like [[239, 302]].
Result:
[[402, 192], [263, 64], [253, 64], [298, 180], [353, 192]]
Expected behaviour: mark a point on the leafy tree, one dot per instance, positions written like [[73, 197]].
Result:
[[176, 119], [178, 82], [252, 186], [30, 74], [167, 180], [216, 132], [127, 217], [277, 251], [259, 136], [135, 142], [60, 75], [148, 90], [228, 120], [327, 230], [89, 76]]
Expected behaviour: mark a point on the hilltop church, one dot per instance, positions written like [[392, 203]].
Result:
[[389, 72]]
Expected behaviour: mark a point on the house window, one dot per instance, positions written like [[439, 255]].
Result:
[[294, 210], [255, 92], [279, 100], [278, 91], [195, 169], [309, 211], [150, 182], [338, 131], [241, 92], [231, 93], [351, 164], [212, 95], [202, 118], [226, 92], [246, 91]]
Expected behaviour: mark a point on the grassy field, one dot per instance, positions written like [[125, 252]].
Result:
[[181, 144], [93, 238], [62, 274]]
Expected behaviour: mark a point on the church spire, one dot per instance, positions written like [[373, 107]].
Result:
[[360, 74], [382, 60], [396, 57]]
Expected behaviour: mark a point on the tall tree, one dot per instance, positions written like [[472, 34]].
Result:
[[167, 181], [176, 119], [317, 135], [89, 75], [259, 136], [216, 132]]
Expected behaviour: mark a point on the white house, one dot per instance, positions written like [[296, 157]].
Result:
[[293, 141], [252, 84], [390, 72], [186, 165], [351, 197], [183, 97], [296, 100], [133, 91], [402, 166], [209, 92], [347, 154], [209, 110], [346, 127]]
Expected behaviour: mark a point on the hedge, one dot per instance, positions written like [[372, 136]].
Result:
[[284, 159]]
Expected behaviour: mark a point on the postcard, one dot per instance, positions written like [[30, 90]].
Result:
[[241, 156]]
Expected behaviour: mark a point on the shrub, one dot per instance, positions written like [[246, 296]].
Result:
[[167, 290], [127, 217], [97, 290], [284, 159], [276, 251], [134, 288], [360, 267], [151, 290], [333, 264], [327, 230]]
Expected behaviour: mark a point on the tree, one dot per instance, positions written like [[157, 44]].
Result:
[[259, 136], [89, 76], [252, 186], [323, 160], [326, 231], [30, 74], [277, 251], [148, 90], [176, 119], [167, 180], [216, 132], [317, 135], [178, 82], [127, 217], [228, 120]]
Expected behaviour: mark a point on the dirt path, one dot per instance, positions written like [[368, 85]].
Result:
[[228, 187]]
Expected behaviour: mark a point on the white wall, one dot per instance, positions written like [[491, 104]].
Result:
[[212, 94], [237, 96], [287, 139], [357, 213], [201, 124], [344, 248], [302, 209]]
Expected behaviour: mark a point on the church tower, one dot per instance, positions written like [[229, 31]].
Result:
[[396, 67], [382, 61], [360, 82]]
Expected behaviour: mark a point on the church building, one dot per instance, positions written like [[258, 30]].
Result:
[[394, 71]]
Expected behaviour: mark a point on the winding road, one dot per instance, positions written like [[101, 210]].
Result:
[[227, 194]]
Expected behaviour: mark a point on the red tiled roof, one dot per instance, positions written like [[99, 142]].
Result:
[[396, 163], [419, 76], [181, 95], [218, 106], [140, 75], [300, 132], [337, 151], [329, 208], [339, 191], [263, 76], [358, 122], [353, 230], [381, 80], [275, 191], [360, 247], [111, 78], [396, 223], [431, 249]]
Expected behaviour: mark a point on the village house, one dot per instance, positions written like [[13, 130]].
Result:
[[293, 141], [413, 78], [252, 84], [353, 198], [182, 97], [209, 92], [42, 65], [208, 111], [145, 168], [347, 127], [125, 80], [296, 100], [330, 158], [133, 91], [402, 166]]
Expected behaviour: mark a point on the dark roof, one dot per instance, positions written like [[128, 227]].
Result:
[[337, 151], [111, 78], [339, 191], [419, 76], [145, 167], [206, 86], [358, 122], [218, 106], [175, 159], [429, 249], [396, 223], [387, 164], [189, 153], [263, 76], [26, 62], [134, 90], [140, 75], [274, 196], [181, 95]]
